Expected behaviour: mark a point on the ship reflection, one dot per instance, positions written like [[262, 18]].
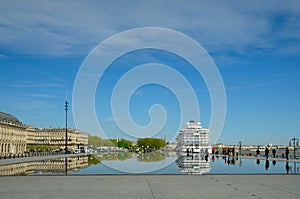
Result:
[[193, 163]]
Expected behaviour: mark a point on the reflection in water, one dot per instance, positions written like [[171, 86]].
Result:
[[120, 156], [50, 167], [194, 163], [267, 165], [292, 169], [155, 156], [287, 168], [257, 161], [93, 160], [232, 160], [151, 157]]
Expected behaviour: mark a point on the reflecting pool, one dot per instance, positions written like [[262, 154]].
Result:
[[150, 163]]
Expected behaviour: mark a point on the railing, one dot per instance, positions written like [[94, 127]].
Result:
[[31, 154]]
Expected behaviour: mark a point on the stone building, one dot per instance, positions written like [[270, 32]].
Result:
[[16, 138], [55, 138], [12, 135], [30, 135]]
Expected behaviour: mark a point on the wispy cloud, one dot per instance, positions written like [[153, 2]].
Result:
[[29, 84], [45, 28], [42, 96], [268, 82], [3, 56]]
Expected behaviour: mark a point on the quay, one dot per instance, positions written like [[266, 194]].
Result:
[[150, 186]]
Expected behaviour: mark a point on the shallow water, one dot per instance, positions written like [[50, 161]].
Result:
[[149, 163]]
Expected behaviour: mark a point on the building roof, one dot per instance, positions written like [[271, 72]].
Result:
[[8, 118]]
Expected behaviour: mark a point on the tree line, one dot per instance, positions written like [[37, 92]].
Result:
[[149, 144]]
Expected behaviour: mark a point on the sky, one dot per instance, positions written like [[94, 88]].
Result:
[[254, 45]]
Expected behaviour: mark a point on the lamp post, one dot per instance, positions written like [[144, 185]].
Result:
[[294, 140], [66, 141], [240, 146]]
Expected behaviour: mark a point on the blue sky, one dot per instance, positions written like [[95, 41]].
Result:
[[255, 45]]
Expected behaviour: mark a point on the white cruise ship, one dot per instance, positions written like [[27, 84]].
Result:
[[193, 139]]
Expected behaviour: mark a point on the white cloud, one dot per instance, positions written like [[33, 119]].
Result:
[[75, 27], [3, 56], [30, 84]]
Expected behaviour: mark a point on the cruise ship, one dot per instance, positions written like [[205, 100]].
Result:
[[193, 139]]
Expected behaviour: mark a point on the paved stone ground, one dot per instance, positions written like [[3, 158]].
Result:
[[150, 186]]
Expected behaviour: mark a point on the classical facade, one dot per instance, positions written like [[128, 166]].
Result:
[[31, 135], [12, 135], [54, 137], [16, 138]]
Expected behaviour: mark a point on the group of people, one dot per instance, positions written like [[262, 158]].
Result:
[[267, 151]]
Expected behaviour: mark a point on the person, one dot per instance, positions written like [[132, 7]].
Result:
[[267, 152], [267, 165], [257, 161], [274, 152], [287, 167], [257, 152], [206, 157], [287, 151]]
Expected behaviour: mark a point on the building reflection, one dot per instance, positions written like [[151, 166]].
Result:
[[193, 163], [50, 167]]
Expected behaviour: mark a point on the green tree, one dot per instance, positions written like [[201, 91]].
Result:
[[151, 143], [122, 143], [96, 141]]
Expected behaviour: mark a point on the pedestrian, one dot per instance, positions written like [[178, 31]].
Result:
[[213, 150], [267, 152], [287, 151], [257, 152], [287, 167], [213, 158], [257, 161], [274, 152], [267, 165]]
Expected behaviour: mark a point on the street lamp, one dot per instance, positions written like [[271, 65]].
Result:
[[240, 145], [66, 142], [295, 141]]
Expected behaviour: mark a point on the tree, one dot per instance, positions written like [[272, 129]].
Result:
[[122, 143], [151, 143], [96, 141]]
